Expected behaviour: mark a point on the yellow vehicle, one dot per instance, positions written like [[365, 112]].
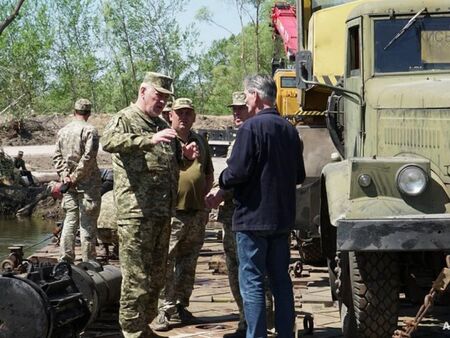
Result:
[[287, 103]]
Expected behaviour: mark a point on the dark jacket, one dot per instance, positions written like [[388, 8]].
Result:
[[263, 169]]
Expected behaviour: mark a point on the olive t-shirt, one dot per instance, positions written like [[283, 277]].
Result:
[[192, 182]]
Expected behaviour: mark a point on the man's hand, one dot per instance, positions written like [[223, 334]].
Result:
[[214, 198], [165, 135], [190, 151]]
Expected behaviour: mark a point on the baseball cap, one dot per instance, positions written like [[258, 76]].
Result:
[[83, 105], [238, 99], [183, 102], [162, 83]]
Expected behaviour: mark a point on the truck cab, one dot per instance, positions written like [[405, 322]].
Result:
[[384, 215]]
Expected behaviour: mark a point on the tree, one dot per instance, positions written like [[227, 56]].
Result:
[[75, 63], [24, 55], [226, 64], [144, 35], [5, 23]]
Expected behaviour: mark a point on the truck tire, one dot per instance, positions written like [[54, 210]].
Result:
[[369, 301]]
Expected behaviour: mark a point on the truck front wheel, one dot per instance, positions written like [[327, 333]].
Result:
[[369, 302]]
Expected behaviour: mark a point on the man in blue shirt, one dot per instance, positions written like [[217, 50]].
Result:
[[264, 168]]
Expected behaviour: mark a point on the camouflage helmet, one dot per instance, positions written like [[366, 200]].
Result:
[[83, 106], [162, 83], [238, 99]]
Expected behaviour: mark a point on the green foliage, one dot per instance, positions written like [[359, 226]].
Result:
[[24, 48], [57, 51], [228, 61]]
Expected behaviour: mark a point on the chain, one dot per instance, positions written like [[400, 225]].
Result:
[[439, 285]]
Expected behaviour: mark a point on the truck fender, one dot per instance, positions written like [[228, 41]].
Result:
[[334, 191]]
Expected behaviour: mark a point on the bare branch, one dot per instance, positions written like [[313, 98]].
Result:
[[205, 15], [16, 101], [11, 18]]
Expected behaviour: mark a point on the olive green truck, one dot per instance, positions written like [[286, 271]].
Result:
[[385, 206]]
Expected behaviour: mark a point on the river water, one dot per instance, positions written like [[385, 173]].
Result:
[[26, 231]]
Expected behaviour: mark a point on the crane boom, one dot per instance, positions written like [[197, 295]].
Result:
[[284, 22]]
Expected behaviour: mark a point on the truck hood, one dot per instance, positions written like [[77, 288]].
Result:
[[388, 93]]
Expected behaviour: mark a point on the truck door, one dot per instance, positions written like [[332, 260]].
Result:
[[353, 80]]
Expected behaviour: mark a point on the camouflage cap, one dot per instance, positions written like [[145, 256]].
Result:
[[162, 83], [168, 106], [83, 105], [183, 102], [238, 99]]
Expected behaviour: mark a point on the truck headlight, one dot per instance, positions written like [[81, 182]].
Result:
[[411, 180], [364, 180]]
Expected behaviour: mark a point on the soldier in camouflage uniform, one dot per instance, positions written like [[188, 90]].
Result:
[[19, 163], [240, 114], [165, 115], [188, 224], [75, 160], [146, 157], [6, 169]]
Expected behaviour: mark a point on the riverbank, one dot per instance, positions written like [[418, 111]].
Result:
[[36, 136]]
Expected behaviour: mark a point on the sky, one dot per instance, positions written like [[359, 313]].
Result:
[[223, 12]]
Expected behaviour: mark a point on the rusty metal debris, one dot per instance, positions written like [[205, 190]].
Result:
[[439, 285]]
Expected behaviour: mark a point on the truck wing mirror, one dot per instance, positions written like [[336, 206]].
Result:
[[303, 68]]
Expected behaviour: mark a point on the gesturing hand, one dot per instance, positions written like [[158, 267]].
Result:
[[190, 151], [214, 198], [165, 135]]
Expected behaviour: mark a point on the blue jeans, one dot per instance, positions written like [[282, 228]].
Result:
[[261, 253]]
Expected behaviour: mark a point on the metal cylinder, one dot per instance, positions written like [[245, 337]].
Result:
[[56, 300], [23, 309], [100, 285]]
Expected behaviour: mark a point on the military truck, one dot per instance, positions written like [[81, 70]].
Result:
[[384, 213]]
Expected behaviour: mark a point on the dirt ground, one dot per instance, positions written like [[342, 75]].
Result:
[[42, 130], [39, 130]]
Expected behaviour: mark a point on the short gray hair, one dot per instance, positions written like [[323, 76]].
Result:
[[264, 85]]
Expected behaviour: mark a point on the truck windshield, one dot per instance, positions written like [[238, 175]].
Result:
[[424, 46]]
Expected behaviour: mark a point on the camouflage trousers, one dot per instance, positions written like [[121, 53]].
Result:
[[186, 240], [82, 210], [143, 247], [232, 261]]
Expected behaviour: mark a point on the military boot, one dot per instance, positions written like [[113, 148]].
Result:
[[183, 316], [161, 322]]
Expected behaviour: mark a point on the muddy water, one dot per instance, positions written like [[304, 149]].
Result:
[[27, 231]]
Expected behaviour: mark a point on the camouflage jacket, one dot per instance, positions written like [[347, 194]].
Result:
[[76, 154], [145, 174], [227, 209]]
